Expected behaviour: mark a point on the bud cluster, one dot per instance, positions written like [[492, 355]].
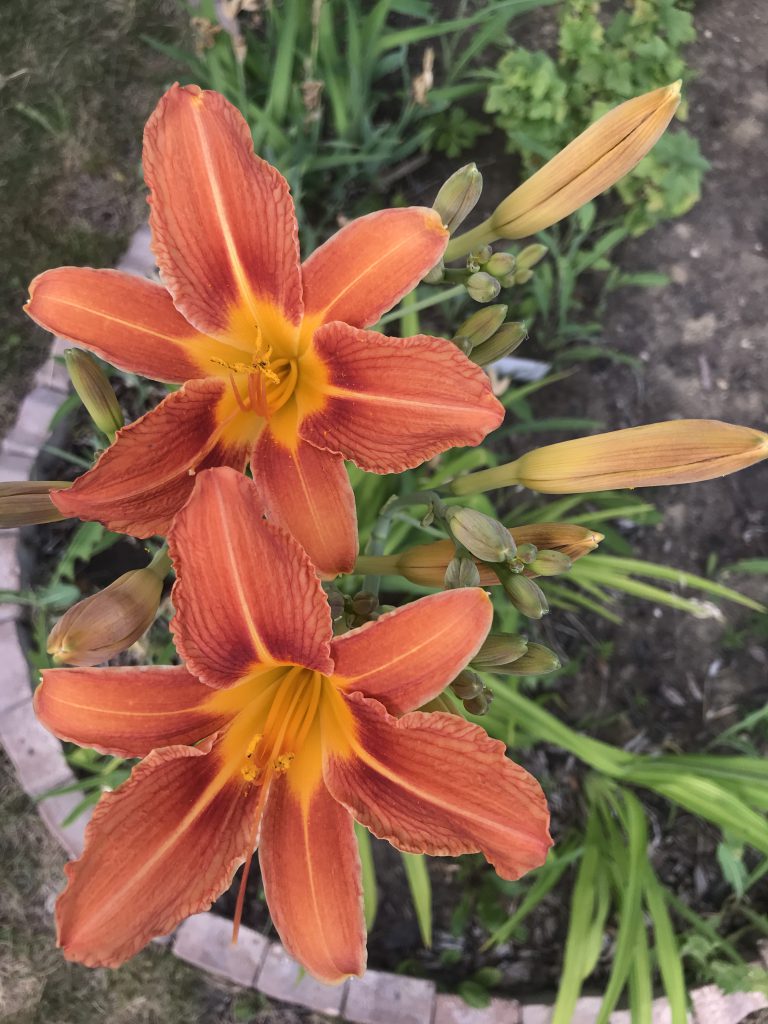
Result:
[[472, 692]]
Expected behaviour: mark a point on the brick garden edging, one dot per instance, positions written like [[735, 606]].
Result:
[[205, 939]]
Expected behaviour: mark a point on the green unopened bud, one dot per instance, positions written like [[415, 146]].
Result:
[[550, 563], [482, 255], [364, 604], [530, 256], [481, 704], [521, 277], [462, 343], [336, 603], [501, 264], [461, 572], [482, 287], [458, 196], [483, 324], [526, 553], [485, 538], [98, 628], [95, 391], [436, 274], [505, 340], [28, 503], [467, 684], [500, 649], [538, 660], [441, 703], [526, 596]]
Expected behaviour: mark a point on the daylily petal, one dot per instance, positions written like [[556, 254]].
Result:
[[407, 657], [370, 264], [142, 480], [163, 846], [224, 231], [393, 403], [311, 872], [127, 711], [246, 594], [308, 492], [127, 320], [435, 783]]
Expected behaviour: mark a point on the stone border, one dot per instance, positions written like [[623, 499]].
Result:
[[205, 939]]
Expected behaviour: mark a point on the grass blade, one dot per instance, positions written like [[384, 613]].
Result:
[[419, 883], [370, 888]]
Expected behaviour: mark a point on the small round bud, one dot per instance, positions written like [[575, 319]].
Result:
[[550, 563], [481, 704], [461, 572], [526, 596], [523, 276], [486, 538], [483, 324], [458, 196], [467, 685], [481, 255], [336, 603], [482, 287], [435, 275], [526, 553], [364, 603], [501, 264]]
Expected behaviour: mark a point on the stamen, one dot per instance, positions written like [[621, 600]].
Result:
[[249, 858], [238, 396]]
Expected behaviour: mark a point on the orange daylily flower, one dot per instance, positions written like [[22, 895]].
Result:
[[297, 732], [272, 355]]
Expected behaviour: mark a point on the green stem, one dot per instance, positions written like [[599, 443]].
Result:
[[378, 539], [433, 300], [461, 245]]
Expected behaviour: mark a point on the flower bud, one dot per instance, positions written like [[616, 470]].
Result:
[[501, 264], [458, 196], [519, 277], [28, 503], [538, 660], [499, 649], [482, 287], [483, 324], [594, 161], [526, 553], [442, 704], [530, 256], [509, 337], [550, 563], [573, 541], [435, 275], [467, 684], [485, 538], [479, 705], [364, 604], [481, 255], [526, 596], [99, 627], [95, 391], [461, 572], [675, 452]]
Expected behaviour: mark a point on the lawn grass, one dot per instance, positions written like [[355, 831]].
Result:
[[76, 85]]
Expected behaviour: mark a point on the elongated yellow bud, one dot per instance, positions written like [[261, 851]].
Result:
[[95, 391], [594, 161], [589, 165], [675, 452], [28, 503], [99, 627]]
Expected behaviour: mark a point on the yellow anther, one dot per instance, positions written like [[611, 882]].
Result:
[[282, 763], [250, 772], [252, 745], [260, 365]]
